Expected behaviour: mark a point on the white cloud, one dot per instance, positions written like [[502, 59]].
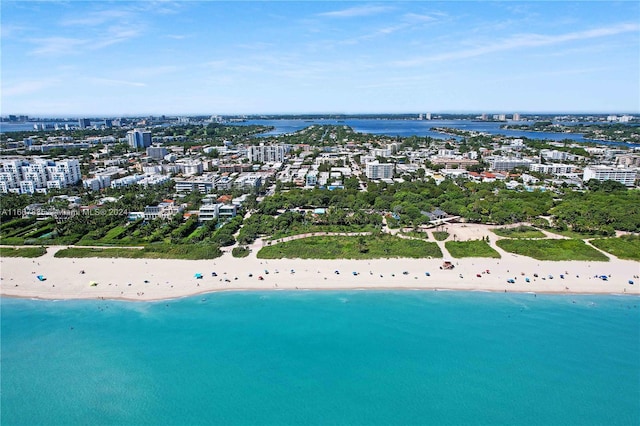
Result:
[[27, 87], [523, 41], [97, 18], [56, 45], [356, 11], [112, 82]]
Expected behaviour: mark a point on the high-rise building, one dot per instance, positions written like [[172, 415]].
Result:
[[157, 152], [139, 138], [626, 177], [83, 123], [516, 116], [376, 170], [266, 153]]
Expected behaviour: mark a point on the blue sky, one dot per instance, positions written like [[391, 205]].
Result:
[[188, 57]]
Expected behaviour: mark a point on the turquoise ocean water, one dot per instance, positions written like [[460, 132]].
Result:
[[355, 357]]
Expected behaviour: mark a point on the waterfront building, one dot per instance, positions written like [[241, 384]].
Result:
[[84, 123], [209, 212], [164, 210], [601, 173]]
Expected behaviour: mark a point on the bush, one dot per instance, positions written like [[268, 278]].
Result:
[[240, 251]]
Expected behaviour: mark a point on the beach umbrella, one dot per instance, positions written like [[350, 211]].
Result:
[[93, 283], [41, 278], [198, 275]]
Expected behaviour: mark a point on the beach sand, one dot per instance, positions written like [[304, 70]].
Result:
[[155, 279]]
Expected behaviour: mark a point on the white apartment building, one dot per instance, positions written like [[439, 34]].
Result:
[[191, 168], [554, 155], [38, 175], [626, 177], [266, 153], [249, 181], [126, 181], [552, 169], [507, 163], [376, 170], [209, 212], [97, 183]]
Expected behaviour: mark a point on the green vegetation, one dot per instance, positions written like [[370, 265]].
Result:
[[22, 251], [440, 235], [156, 251], [361, 247], [521, 231], [548, 249], [473, 248], [240, 251], [574, 234], [625, 247], [416, 234], [599, 211]]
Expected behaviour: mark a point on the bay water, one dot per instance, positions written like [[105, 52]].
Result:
[[323, 357]]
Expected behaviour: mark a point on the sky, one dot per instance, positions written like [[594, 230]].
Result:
[[121, 58]]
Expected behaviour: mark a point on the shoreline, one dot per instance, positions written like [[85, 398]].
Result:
[[166, 279], [376, 289]]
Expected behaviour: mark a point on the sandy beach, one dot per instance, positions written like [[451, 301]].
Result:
[[155, 279]]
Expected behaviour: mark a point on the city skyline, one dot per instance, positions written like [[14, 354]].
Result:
[[190, 58]]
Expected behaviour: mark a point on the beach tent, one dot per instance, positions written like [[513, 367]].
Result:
[[41, 278]]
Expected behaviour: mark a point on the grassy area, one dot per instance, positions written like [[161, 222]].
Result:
[[625, 247], [440, 235], [416, 234], [552, 249], [338, 247], [573, 234], [22, 251], [156, 251], [473, 248], [308, 229], [521, 231]]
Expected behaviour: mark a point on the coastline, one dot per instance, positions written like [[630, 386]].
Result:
[[162, 279]]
